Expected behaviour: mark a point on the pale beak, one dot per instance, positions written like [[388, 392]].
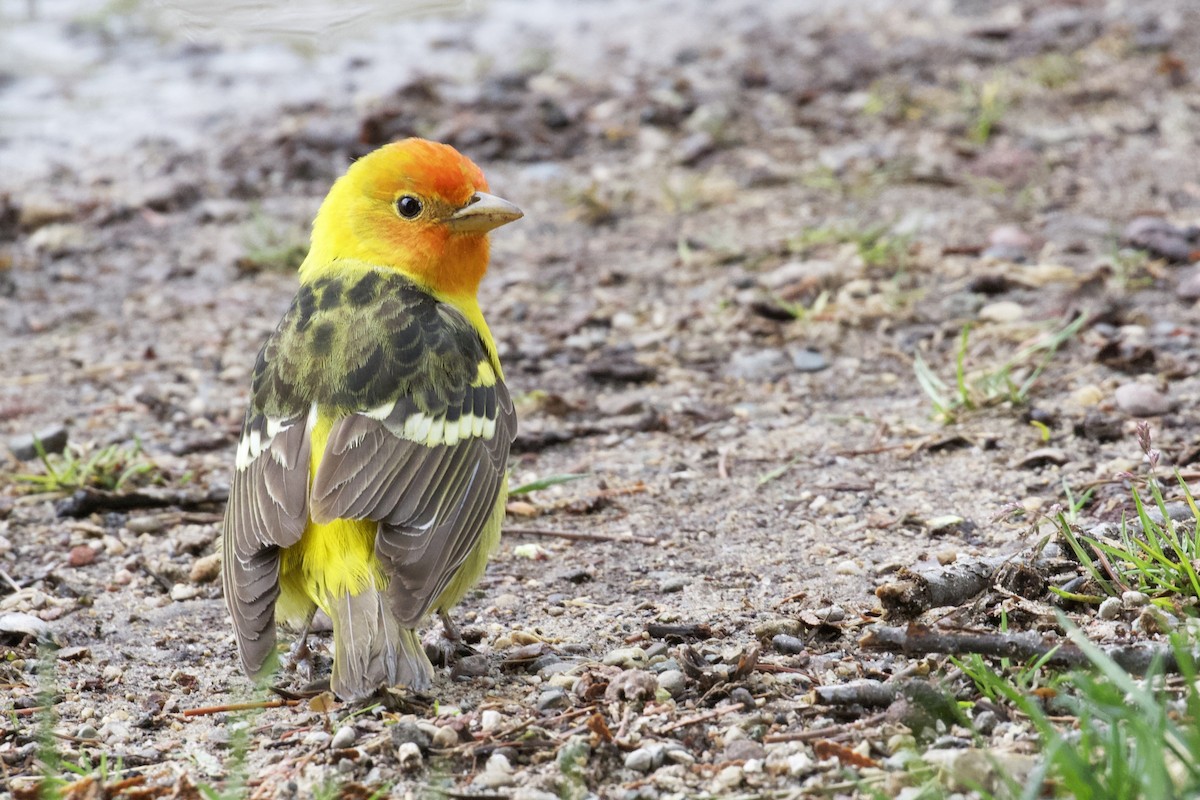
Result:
[[483, 213]]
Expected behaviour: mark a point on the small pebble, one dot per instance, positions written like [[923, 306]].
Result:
[[847, 567], [345, 737], [632, 686], [468, 667], [799, 763], [625, 657], [86, 732], [744, 750], [985, 721], [675, 584], [408, 731], [497, 772], [53, 440], [830, 614], [944, 524], [1110, 608], [805, 360], [1141, 400], [1188, 287], [552, 699], [742, 697], [182, 591], [409, 756], [530, 793], [728, 779], [1160, 238], [317, 738], [645, 758], [151, 524], [757, 366], [81, 555], [1002, 311], [445, 738], [490, 720], [788, 644], [1131, 599], [672, 682], [1011, 236], [206, 569]]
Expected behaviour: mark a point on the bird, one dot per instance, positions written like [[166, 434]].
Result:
[[370, 478]]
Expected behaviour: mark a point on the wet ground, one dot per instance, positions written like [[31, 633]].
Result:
[[750, 229]]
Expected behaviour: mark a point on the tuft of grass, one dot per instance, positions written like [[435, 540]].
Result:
[[547, 482], [800, 311], [1158, 556], [111, 468], [986, 105], [1127, 739], [877, 246], [1056, 70], [271, 247], [989, 386]]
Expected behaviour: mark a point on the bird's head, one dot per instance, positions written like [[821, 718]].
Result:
[[416, 206]]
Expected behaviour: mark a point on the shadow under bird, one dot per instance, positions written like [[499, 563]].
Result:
[[371, 476]]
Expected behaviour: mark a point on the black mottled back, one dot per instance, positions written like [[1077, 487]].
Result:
[[354, 343]]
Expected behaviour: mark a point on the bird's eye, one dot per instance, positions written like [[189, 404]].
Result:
[[408, 207]]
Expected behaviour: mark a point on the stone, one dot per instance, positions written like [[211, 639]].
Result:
[[406, 730], [1160, 238], [787, 644], [53, 439], [757, 366], [744, 750], [498, 772], [206, 569], [645, 759], [345, 737], [552, 699], [672, 682], [1110, 609], [627, 657], [1131, 600], [1141, 400], [408, 755], [1002, 311], [445, 738], [632, 686], [1188, 287], [805, 360], [728, 779], [675, 584]]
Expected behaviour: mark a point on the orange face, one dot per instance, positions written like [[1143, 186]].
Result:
[[417, 206]]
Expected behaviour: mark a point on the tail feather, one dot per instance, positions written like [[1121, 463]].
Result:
[[371, 650]]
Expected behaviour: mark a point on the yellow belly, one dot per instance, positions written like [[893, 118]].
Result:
[[330, 560], [338, 557]]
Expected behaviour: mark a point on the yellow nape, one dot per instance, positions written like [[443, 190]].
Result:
[[331, 559]]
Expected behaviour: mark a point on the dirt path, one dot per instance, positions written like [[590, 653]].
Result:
[[746, 227]]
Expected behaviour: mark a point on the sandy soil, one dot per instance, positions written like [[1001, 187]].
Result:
[[747, 226]]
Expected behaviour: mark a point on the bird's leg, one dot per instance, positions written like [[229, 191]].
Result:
[[447, 646], [449, 629], [299, 656]]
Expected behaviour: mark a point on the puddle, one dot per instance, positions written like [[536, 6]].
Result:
[[79, 85]]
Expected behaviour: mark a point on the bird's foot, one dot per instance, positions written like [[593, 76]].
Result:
[[299, 658], [447, 646]]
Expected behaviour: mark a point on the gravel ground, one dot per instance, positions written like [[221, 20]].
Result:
[[749, 229]]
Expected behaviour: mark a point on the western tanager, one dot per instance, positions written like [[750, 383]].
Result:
[[370, 478]]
